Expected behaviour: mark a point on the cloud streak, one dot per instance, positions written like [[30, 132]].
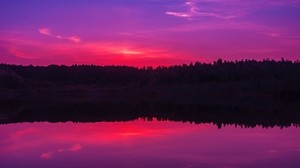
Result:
[[225, 9], [46, 31], [194, 11], [36, 51]]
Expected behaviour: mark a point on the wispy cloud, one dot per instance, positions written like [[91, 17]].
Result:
[[46, 31], [193, 11], [75, 39], [14, 51], [225, 9], [179, 14], [87, 51]]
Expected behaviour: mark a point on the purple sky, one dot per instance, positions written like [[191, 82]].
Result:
[[147, 32]]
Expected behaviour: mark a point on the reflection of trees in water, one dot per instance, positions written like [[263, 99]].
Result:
[[109, 111]]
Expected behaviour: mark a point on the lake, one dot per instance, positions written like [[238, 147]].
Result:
[[147, 144]]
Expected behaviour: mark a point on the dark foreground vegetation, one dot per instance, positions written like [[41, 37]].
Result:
[[246, 93]]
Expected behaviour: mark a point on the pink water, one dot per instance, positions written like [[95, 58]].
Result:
[[146, 144]]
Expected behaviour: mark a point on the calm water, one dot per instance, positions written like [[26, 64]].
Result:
[[146, 144]]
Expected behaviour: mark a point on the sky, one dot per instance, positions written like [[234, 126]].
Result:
[[147, 32]]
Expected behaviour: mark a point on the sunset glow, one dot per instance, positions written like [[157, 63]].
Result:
[[150, 32]]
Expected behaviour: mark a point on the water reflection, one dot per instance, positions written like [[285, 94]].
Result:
[[142, 143]]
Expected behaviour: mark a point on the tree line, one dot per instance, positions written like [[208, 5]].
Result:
[[194, 73]]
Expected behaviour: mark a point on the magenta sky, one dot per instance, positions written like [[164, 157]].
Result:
[[147, 32]]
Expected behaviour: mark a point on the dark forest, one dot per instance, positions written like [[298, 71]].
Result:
[[246, 93]]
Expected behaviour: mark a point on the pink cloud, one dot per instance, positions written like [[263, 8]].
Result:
[[46, 31], [16, 52], [74, 39], [101, 52]]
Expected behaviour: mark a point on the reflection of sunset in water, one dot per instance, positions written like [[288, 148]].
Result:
[[132, 144]]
